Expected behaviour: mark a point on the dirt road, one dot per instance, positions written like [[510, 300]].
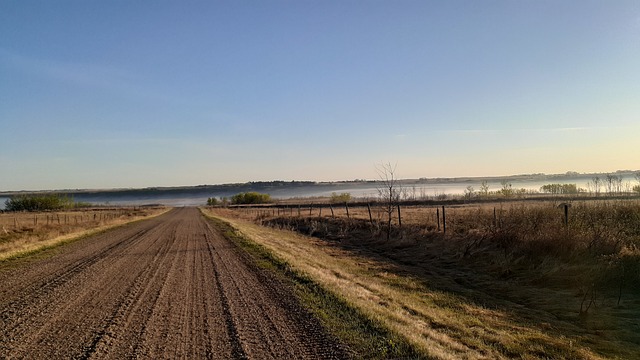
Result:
[[169, 287]]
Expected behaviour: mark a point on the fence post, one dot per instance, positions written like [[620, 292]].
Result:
[[331, 207], [444, 221], [346, 205], [370, 217], [320, 214], [438, 218], [399, 217], [310, 209]]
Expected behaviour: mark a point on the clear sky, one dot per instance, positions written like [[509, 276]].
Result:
[[101, 94]]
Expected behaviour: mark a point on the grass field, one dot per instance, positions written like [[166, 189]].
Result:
[[25, 232], [520, 283]]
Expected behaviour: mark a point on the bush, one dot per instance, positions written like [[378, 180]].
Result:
[[559, 189], [251, 197], [212, 201], [340, 198], [39, 202]]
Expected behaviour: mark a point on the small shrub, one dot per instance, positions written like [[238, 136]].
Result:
[[340, 198], [557, 189], [251, 197]]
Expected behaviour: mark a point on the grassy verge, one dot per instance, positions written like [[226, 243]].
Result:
[[437, 323], [27, 244], [365, 337]]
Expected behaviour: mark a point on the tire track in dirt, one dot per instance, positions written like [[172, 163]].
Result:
[[168, 287]]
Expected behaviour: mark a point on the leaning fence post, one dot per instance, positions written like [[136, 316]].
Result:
[[370, 217], [331, 207]]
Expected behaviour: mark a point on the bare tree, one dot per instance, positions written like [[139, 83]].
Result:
[[389, 191], [506, 190], [597, 183], [484, 188], [469, 192], [610, 183]]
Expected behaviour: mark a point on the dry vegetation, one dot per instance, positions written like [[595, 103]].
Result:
[[25, 232], [506, 280]]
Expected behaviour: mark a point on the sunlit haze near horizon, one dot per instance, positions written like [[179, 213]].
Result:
[[116, 94]]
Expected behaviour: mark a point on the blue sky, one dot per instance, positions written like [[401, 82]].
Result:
[[101, 94]]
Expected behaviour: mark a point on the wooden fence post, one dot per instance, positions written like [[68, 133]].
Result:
[[444, 221], [310, 209], [346, 205], [370, 217], [438, 218], [331, 207], [399, 217]]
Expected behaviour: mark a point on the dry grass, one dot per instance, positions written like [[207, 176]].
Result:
[[25, 233], [426, 294]]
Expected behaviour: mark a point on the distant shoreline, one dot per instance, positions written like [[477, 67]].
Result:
[[233, 188]]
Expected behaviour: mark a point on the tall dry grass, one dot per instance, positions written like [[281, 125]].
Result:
[[585, 273], [25, 232]]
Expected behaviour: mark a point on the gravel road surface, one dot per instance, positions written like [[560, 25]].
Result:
[[167, 287]]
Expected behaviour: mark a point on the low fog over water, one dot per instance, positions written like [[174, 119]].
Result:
[[425, 189]]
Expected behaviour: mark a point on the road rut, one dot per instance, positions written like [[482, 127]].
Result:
[[168, 287]]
